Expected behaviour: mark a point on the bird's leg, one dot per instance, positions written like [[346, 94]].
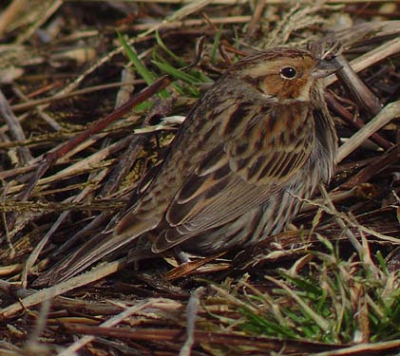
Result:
[[181, 256]]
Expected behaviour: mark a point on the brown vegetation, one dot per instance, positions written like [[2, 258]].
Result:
[[79, 128]]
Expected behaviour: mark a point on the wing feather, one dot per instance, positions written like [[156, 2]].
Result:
[[234, 180]]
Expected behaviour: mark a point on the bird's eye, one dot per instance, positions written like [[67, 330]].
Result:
[[288, 72]]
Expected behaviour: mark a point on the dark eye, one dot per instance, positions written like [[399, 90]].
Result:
[[288, 72]]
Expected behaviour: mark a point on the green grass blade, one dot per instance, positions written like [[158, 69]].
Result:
[[168, 51], [216, 43], [147, 75]]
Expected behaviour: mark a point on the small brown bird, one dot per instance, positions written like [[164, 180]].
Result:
[[258, 142]]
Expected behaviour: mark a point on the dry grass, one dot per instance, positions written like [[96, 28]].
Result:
[[80, 126]]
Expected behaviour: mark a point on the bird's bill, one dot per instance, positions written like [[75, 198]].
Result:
[[325, 68]]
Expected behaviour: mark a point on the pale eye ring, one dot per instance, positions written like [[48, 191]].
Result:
[[288, 72]]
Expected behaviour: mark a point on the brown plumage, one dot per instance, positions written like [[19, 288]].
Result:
[[254, 145]]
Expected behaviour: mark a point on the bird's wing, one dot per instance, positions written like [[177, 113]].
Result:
[[241, 172]]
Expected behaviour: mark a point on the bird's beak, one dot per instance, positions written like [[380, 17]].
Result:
[[325, 68]]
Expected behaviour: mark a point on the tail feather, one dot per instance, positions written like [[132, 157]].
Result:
[[95, 249]]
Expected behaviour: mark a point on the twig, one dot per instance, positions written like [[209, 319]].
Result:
[[388, 113], [354, 121], [32, 103], [190, 23], [39, 247], [61, 288], [98, 126], [254, 23], [192, 310], [14, 127], [151, 303], [370, 58], [340, 222], [49, 11], [364, 97], [8, 16]]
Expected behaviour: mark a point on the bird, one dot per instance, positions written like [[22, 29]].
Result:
[[250, 151]]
